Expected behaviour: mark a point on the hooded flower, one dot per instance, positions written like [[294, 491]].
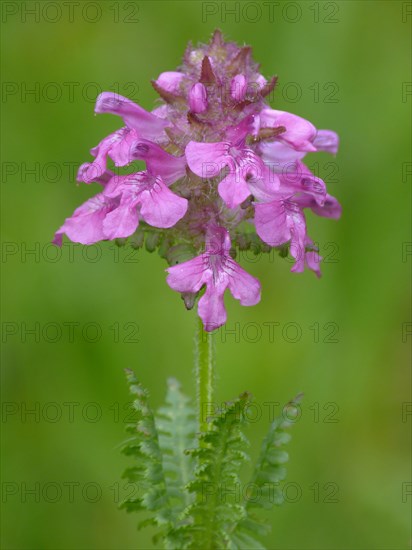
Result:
[[115, 212], [146, 125], [158, 206], [86, 224], [215, 269], [208, 159], [279, 216], [223, 172]]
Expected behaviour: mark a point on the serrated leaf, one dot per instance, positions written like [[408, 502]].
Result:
[[162, 467], [176, 423], [147, 473], [268, 473], [220, 454]]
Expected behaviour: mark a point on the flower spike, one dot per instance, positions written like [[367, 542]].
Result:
[[223, 172]]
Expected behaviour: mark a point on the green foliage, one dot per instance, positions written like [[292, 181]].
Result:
[[269, 471], [147, 473], [216, 483], [190, 482], [176, 424]]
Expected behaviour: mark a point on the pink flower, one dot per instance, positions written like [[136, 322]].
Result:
[[86, 224], [300, 138], [158, 206], [117, 146], [221, 167], [299, 133], [139, 124], [158, 161], [170, 81], [198, 98], [207, 160], [279, 216], [146, 125], [115, 212], [238, 87], [218, 271]]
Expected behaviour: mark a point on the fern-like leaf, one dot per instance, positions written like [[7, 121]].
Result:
[[216, 485], [191, 486], [176, 424], [162, 467], [269, 471], [147, 473]]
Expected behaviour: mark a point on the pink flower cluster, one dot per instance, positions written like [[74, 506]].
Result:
[[220, 163]]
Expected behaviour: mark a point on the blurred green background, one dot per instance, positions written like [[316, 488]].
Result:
[[342, 340]]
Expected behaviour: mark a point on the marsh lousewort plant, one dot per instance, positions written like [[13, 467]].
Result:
[[224, 173]]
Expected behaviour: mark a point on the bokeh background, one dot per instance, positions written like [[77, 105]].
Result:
[[342, 340]]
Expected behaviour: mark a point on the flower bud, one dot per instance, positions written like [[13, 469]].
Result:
[[238, 87], [198, 98]]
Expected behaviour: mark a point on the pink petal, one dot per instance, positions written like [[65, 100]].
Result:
[[103, 178], [249, 124], [260, 80], [299, 132], [313, 261], [211, 307], [233, 189], [117, 145], [121, 150], [301, 181], [312, 185], [243, 286], [326, 140], [86, 224], [207, 159], [170, 81], [158, 161], [298, 244], [266, 188], [114, 187], [277, 155], [162, 111], [131, 184], [121, 222], [91, 171], [238, 87], [217, 241], [58, 237], [271, 223], [188, 276], [146, 124], [246, 170], [160, 207], [198, 98], [330, 209]]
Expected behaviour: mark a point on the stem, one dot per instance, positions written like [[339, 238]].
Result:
[[204, 375]]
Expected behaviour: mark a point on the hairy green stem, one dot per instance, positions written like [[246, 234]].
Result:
[[204, 375]]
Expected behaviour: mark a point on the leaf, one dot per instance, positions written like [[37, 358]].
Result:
[[162, 467], [268, 473], [147, 473], [218, 505], [190, 486], [176, 423]]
